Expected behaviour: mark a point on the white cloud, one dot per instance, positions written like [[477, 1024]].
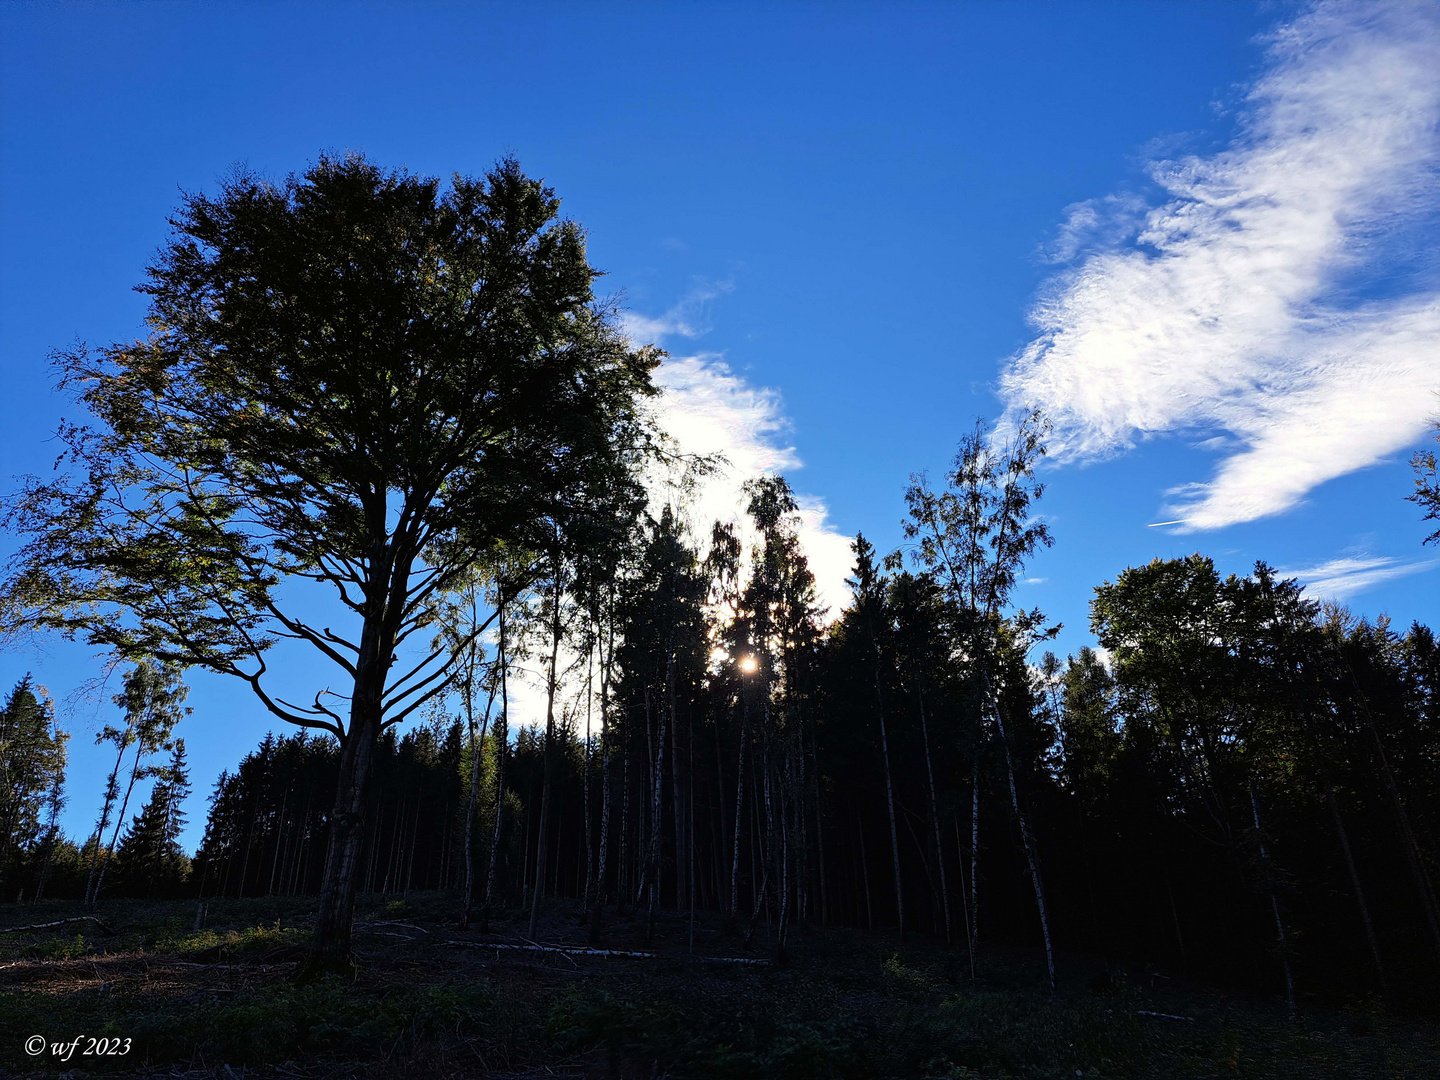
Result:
[[1251, 305], [689, 318], [1342, 578], [708, 409]]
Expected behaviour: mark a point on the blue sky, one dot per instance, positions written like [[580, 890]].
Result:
[[1201, 236]]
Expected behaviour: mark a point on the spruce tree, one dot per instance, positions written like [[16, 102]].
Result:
[[149, 861], [32, 768]]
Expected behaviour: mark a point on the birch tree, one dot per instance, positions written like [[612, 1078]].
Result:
[[976, 535]]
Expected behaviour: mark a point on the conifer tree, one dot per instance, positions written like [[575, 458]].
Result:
[[32, 770], [149, 860]]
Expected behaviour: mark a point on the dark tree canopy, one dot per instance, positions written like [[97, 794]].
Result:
[[354, 377]]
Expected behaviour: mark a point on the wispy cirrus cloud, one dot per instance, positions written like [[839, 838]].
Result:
[[1340, 579], [688, 318], [1256, 304]]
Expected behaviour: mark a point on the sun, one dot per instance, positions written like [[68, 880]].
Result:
[[748, 664]]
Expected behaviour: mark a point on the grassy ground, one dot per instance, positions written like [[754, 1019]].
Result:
[[431, 1000]]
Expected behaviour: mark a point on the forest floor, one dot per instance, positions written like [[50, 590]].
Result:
[[430, 1000]]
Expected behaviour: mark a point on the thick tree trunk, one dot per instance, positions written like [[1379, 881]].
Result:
[[330, 942]]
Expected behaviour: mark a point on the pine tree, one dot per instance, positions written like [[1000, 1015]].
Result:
[[32, 770], [149, 861]]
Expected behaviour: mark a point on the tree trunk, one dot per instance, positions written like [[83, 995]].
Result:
[[890, 802], [677, 802], [974, 858], [547, 768], [1344, 836], [819, 826], [502, 744], [935, 820], [112, 791], [330, 943], [964, 902], [477, 751], [1407, 839], [119, 822], [599, 898], [585, 790], [1032, 856], [1280, 939], [739, 798], [864, 871], [657, 774]]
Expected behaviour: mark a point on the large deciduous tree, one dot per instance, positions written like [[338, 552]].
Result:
[[354, 377]]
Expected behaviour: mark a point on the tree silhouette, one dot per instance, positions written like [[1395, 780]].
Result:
[[353, 379]]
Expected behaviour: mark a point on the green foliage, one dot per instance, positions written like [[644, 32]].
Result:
[[59, 948], [32, 772], [1426, 495], [223, 943], [748, 1042], [149, 861]]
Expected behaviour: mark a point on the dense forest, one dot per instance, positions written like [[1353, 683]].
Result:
[[1241, 787], [1240, 784]]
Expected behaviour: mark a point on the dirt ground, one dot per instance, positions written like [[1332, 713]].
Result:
[[145, 993]]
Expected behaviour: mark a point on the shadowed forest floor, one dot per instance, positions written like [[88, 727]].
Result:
[[432, 1000]]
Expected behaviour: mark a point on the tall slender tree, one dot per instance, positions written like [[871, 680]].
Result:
[[976, 535], [153, 699]]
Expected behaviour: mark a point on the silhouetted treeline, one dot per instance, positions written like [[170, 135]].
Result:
[[1245, 784], [1238, 786]]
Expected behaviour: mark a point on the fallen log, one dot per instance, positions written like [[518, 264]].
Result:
[[59, 922], [581, 950], [1162, 1016]]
